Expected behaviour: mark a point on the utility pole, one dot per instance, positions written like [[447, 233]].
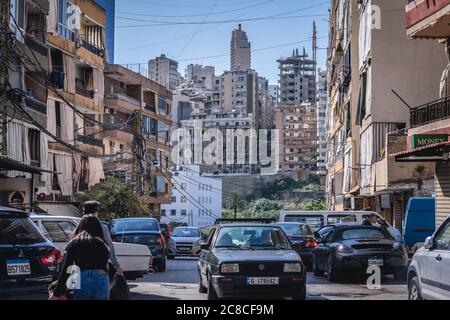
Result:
[[4, 74], [138, 153]]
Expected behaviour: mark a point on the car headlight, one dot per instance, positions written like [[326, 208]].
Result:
[[229, 268], [345, 249], [292, 267]]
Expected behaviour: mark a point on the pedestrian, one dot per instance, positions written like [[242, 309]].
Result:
[[370, 220], [92, 207], [86, 263]]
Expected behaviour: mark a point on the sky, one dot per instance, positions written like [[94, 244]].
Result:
[[199, 31]]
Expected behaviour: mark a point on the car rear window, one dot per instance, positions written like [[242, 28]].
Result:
[[145, 239], [19, 231], [314, 221], [362, 233], [135, 225], [296, 230]]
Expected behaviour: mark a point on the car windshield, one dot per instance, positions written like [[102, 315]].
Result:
[[314, 221], [252, 237], [19, 231], [145, 239], [296, 230], [134, 225], [186, 232], [363, 233]]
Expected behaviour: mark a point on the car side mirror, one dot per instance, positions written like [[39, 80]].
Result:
[[204, 246], [429, 243]]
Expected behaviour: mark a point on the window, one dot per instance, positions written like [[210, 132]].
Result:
[[183, 199], [183, 186], [174, 199], [443, 238], [163, 212], [58, 231], [173, 212], [183, 212]]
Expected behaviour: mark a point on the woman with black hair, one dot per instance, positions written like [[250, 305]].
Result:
[[85, 268]]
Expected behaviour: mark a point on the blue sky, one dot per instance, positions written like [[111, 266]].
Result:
[[147, 28]]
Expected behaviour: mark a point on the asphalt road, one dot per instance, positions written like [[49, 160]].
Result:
[[180, 282]]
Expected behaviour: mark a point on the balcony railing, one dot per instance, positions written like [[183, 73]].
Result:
[[150, 107], [431, 112], [92, 47], [36, 45], [90, 140], [36, 105], [124, 97], [83, 90]]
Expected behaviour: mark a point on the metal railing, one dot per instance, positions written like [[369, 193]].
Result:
[[90, 140], [92, 47], [36, 105], [83, 90], [36, 45], [430, 112]]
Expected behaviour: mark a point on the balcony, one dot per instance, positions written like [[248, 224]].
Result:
[[150, 107], [92, 47], [36, 105], [90, 140], [428, 18], [431, 112], [36, 45], [82, 90]]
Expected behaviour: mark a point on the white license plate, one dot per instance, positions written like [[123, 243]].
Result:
[[184, 249], [263, 281], [18, 267], [375, 262]]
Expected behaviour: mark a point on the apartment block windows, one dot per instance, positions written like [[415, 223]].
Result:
[[183, 212], [68, 19], [173, 212], [183, 199]]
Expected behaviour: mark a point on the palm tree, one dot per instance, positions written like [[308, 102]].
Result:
[[235, 201]]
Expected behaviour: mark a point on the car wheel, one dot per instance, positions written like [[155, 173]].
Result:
[[211, 292], [331, 270], [316, 271], [414, 289], [201, 287]]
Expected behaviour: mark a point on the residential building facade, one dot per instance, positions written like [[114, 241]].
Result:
[[164, 71], [240, 52], [196, 199], [321, 103]]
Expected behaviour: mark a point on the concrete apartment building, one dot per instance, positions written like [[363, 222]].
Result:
[[240, 52], [367, 120], [297, 78], [274, 93], [164, 71], [321, 103], [202, 76], [196, 199], [427, 137], [297, 125], [68, 52], [129, 95]]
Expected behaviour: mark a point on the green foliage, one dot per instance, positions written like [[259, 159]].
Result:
[[313, 205], [270, 190], [235, 201], [117, 200]]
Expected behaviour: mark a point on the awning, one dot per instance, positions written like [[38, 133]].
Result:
[[433, 152], [10, 164]]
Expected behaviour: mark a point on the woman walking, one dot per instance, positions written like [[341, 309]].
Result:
[[87, 253]]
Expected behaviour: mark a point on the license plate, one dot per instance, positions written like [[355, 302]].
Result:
[[184, 249], [375, 262], [263, 281], [18, 267]]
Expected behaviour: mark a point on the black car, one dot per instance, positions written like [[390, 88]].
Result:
[[250, 260], [302, 239], [145, 231], [351, 248], [26, 256]]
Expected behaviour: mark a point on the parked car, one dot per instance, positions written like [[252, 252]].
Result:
[[302, 240], [134, 259], [419, 222], [250, 260], [184, 239], [26, 256], [348, 249], [145, 231], [429, 271], [319, 219]]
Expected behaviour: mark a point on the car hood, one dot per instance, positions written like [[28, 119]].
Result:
[[256, 255], [184, 239]]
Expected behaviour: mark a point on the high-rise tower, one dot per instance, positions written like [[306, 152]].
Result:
[[240, 51]]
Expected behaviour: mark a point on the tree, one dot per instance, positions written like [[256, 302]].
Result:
[[313, 205], [117, 200], [235, 201]]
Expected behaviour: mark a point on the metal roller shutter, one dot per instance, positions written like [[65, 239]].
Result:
[[442, 182]]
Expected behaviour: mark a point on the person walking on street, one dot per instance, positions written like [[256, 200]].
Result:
[[91, 207], [86, 263]]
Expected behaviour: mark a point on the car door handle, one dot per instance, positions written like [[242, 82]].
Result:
[[438, 258]]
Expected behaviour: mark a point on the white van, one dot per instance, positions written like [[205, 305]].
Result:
[[319, 219]]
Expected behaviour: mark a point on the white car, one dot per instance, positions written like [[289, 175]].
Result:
[[134, 259], [429, 271]]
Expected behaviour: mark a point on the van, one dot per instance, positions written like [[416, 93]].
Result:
[[319, 219]]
